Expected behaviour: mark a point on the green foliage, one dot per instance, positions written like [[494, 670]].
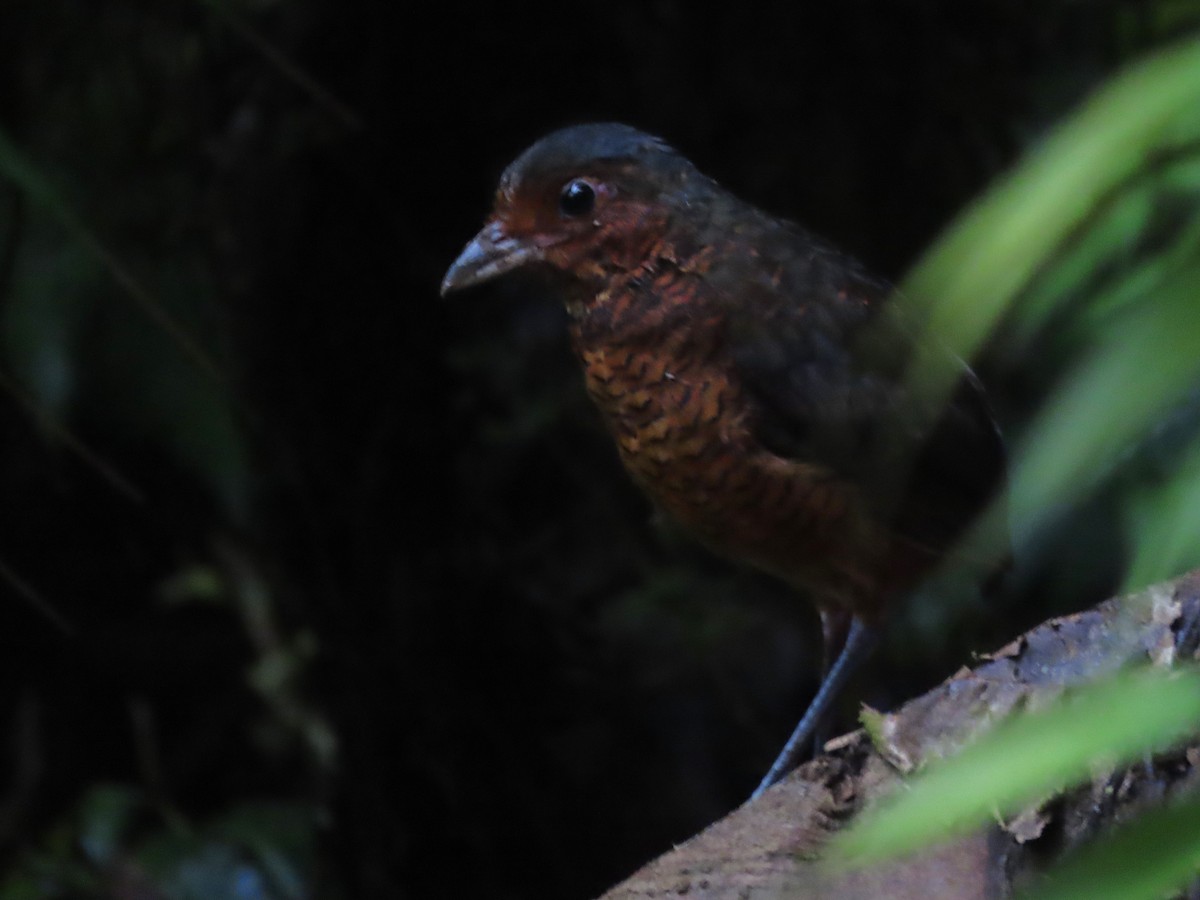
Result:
[[1084, 263], [992, 253], [110, 846], [1140, 367], [167, 384], [1145, 860], [114, 353], [1029, 757], [1166, 519], [1088, 256]]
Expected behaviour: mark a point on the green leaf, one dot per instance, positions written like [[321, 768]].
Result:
[[1145, 860], [1027, 758], [1166, 521], [1110, 400], [993, 252]]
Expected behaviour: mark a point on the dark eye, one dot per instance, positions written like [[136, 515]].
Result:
[[577, 198]]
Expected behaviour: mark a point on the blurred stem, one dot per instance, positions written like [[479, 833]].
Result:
[[321, 95], [17, 168], [9, 243], [68, 439]]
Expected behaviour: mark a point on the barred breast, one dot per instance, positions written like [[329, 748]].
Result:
[[680, 424]]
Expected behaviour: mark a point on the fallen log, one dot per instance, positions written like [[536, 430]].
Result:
[[773, 847]]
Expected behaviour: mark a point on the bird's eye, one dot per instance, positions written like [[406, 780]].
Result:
[[577, 198]]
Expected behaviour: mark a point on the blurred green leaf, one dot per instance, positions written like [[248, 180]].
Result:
[[195, 584], [215, 872], [1166, 520], [22, 887], [15, 166], [1025, 759], [1077, 264], [104, 819], [992, 253], [1140, 238], [255, 850], [43, 317], [1145, 860], [1142, 367], [76, 351], [281, 838], [1090, 253]]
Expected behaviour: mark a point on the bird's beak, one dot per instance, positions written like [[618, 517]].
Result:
[[492, 253]]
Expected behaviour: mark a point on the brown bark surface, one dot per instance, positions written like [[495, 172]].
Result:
[[773, 847]]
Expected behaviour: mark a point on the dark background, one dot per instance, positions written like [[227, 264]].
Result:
[[297, 557]]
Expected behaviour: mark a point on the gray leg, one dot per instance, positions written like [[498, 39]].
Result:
[[860, 642]]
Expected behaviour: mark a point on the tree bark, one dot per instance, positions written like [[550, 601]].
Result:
[[772, 847]]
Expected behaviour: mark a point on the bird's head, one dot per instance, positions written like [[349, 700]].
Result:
[[579, 206]]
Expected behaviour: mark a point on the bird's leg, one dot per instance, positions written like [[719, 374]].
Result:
[[860, 642], [835, 627]]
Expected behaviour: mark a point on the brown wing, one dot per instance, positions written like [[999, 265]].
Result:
[[822, 352]]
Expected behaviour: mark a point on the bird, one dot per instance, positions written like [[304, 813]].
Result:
[[755, 380]]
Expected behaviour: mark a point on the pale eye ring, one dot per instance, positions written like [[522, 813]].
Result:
[[578, 198]]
